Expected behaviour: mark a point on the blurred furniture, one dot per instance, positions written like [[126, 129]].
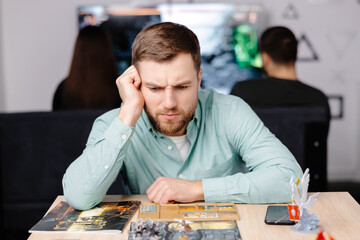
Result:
[[338, 213], [35, 150], [304, 131]]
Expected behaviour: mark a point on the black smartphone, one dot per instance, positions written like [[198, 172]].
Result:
[[278, 215]]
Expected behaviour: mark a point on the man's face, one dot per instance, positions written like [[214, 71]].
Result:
[[170, 93]]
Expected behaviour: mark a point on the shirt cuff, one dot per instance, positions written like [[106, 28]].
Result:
[[118, 133], [214, 190]]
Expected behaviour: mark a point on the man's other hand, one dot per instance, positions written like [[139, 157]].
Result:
[[167, 190]]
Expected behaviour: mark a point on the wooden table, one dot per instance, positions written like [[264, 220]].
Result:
[[339, 214]]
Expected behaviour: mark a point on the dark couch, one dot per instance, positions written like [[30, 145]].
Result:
[[37, 147], [35, 150], [304, 131]]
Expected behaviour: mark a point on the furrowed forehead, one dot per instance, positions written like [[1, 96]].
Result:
[[165, 83]]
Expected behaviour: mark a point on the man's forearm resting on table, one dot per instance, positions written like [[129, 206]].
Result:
[[268, 185]]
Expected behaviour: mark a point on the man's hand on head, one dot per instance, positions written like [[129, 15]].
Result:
[[167, 190], [128, 85]]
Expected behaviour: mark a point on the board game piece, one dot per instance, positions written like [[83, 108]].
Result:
[[306, 222], [190, 211]]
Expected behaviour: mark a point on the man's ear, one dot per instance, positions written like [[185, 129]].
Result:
[[199, 78], [265, 59]]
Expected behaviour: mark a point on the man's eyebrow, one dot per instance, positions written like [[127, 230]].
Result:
[[155, 84], [181, 83], [152, 84]]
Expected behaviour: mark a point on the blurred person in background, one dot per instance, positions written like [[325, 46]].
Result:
[[281, 86], [90, 83]]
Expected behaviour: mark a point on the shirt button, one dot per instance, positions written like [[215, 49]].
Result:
[[170, 147], [106, 166], [123, 136], [130, 138], [181, 176]]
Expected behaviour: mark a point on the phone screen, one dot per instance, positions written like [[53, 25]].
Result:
[[278, 215]]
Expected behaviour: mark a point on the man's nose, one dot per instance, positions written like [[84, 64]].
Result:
[[170, 99]]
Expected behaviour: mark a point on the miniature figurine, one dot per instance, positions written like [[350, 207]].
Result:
[[145, 229], [298, 210], [184, 228]]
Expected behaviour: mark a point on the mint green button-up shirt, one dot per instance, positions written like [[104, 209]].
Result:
[[237, 158]]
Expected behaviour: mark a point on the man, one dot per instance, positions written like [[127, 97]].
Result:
[[175, 142], [281, 87]]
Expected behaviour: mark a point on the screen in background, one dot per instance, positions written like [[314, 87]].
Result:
[[227, 32]]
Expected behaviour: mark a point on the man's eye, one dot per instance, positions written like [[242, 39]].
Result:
[[182, 87], [154, 89]]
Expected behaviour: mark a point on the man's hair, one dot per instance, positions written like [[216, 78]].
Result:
[[163, 41], [280, 44]]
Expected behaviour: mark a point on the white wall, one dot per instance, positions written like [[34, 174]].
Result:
[[37, 37], [2, 97]]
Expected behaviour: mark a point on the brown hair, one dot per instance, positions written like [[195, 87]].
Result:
[[280, 43], [92, 75], [163, 41]]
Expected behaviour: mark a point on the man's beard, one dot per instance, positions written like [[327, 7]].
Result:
[[171, 127]]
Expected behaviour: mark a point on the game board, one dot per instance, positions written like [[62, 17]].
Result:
[[191, 211], [156, 230]]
